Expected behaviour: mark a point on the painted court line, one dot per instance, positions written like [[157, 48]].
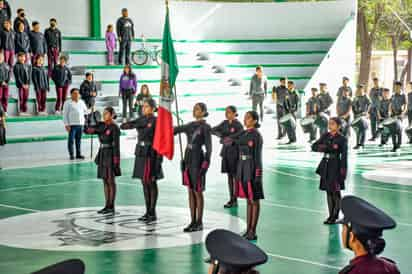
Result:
[[45, 185], [366, 187], [303, 261], [19, 208]]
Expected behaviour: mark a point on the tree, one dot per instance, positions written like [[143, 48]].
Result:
[[369, 16]]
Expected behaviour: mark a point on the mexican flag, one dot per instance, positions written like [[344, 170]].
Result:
[[163, 141]]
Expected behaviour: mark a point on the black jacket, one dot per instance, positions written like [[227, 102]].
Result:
[[3, 16], [125, 28], [7, 39], [53, 38], [37, 43], [4, 73], [22, 42], [61, 76], [25, 22], [40, 78], [7, 9], [22, 74], [86, 89]]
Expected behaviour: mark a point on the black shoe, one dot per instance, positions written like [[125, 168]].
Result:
[[143, 218], [103, 210], [395, 149], [197, 227], [110, 210], [230, 204], [189, 228], [151, 219], [372, 139], [290, 142], [71, 158], [251, 237], [327, 221], [80, 157], [356, 147], [381, 145]]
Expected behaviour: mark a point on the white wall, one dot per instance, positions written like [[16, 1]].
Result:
[[72, 15], [203, 20]]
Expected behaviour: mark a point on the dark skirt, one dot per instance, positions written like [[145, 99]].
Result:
[[331, 179], [247, 185], [147, 168], [230, 158], [193, 178], [106, 169], [2, 136]]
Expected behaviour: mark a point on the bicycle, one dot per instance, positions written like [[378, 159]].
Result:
[[142, 55]]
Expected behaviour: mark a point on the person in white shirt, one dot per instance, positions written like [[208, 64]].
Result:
[[74, 111]]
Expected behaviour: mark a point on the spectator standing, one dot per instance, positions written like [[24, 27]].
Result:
[[53, 38], [41, 84], [22, 41], [74, 111], [62, 78], [127, 90], [22, 74], [88, 90], [7, 37], [21, 17], [37, 42], [110, 44], [125, 34]]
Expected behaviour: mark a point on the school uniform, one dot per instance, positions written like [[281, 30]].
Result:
[[41, 86], [343, 106], [332, 170], [22, 44], [86, 90], [249, 169], [108, 157], [291, 107], [196, 159], [398, 101], [3, 17], [229, 152], [22, 75], [4, 85], [7, 41], [312, 109], [375, 95], [325, 102], [53, 38], [25, 22], [384, 108], [148, 163], [367, 222], [62, 78], [281, 92], [37, 44], [360, 107], [2, 127]]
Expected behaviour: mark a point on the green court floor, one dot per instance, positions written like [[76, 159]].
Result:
[[290, 228]]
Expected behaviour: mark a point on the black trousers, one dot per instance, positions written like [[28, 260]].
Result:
[[397, 135], [280, 111], [75, 135], [125, 46], [291, 132], [258, 100], [374, 122], [334, 204], [127, 101], [409, 117]]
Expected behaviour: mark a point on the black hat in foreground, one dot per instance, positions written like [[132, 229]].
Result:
[[364, 218], [73, 266], [231, 252]]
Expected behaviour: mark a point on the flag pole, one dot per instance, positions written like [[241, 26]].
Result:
[[178, 123]]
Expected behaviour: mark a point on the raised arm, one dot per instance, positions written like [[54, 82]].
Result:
[[217, 130]]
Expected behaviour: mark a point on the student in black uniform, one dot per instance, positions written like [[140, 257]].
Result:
[[62, 78], [148, 163], [249, 170], [360, 108], [4, 83], [22, 41], [53, 38], [324, 110], [108, 157], [21, 17], [278, 96], [312, 109], [343, 109], [7, 42], [333, 167], [231, 254], [141, 98], [88, 90], [229, 152], [363, 226], [22, 75], [384, 113], [375, 95], [196, 163], [291, 107], [41, 84], [397, 110], [38, 43]]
